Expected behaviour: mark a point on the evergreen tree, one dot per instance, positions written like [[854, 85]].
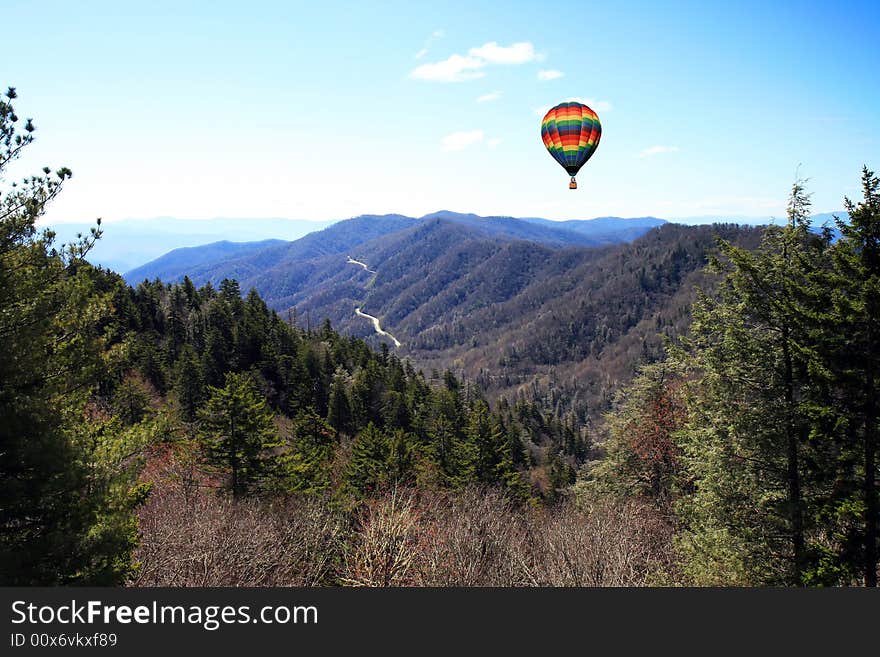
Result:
[[855, 311], [131, 400], [746, 439], [217, 359], [339, 414], [56, 497], [303, 465], [641, 455], [237, 430], [189, 384], [368, 468]]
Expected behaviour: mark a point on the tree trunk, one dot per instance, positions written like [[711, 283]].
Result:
[[234, 453], [793, 466], [871, 507]]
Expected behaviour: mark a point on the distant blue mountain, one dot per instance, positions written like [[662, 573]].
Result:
[[249, 260], [179, 262], [129, 243], [590, 232], [606, 230], [288, 264], [817, 220]]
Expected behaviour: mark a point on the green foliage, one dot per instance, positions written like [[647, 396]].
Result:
[[189, 383], [132, 399], [65, 515], [747, 440], [237, 429], [368, 467], [303, 465], [773, 479], [641, 455]]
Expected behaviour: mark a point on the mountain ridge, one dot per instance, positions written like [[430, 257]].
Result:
[[556, 317], [351, 232]]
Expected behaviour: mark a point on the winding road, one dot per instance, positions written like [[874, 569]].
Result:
[[352, 261], [377, 326], [375, 320]]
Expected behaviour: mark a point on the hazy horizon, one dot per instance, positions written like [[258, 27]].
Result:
[[235, 110]]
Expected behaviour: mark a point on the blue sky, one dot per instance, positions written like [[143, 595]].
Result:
[[328, 110]]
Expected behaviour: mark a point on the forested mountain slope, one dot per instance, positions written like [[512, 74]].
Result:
[[545, 318]]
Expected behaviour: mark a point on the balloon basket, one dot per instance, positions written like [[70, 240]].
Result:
[[573, 184]]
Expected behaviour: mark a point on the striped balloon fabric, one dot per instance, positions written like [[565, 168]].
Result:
[[571, 132]]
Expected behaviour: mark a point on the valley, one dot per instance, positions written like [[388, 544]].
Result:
[[560, 316]]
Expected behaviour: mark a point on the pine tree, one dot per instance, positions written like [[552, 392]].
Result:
[[641, 455], [746, 441], [217, 359], [303, 465], [131, 399], [56, 496], [368, 467], [189, 384], [856, 308], [339, 414], [237, 429]]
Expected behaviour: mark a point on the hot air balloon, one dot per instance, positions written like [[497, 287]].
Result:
[[571, 133]]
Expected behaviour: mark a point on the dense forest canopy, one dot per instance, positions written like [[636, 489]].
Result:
[[147, 428]]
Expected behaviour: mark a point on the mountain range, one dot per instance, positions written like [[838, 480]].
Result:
[[560, 312], [130, 243], [213, 262]]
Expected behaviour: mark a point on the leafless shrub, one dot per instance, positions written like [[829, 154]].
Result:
[[209, 539], [605, 544], [475, 537], [383, 547], [469, 539]]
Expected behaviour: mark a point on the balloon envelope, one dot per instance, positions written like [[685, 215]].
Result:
[[571, 133]]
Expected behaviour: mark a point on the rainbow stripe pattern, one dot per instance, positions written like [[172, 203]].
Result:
[[571, 132]]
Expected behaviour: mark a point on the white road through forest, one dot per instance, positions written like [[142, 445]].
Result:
[[377, 326], [375, 320], [352, 261]]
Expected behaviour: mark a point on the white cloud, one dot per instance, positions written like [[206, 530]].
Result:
[[436, 34], [551, 74], [454, 69], [492, 143], [458, 68], [518, 53], [458, 141], [592, 103], [657, 150], [485, 98]]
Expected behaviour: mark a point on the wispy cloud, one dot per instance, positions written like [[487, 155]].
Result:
[[486, 98], [436, 34], [657, 150], [492, 143], [458, 141], [592, 103], [456, 68], [459, 68], [518, 53], [550, 74]]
